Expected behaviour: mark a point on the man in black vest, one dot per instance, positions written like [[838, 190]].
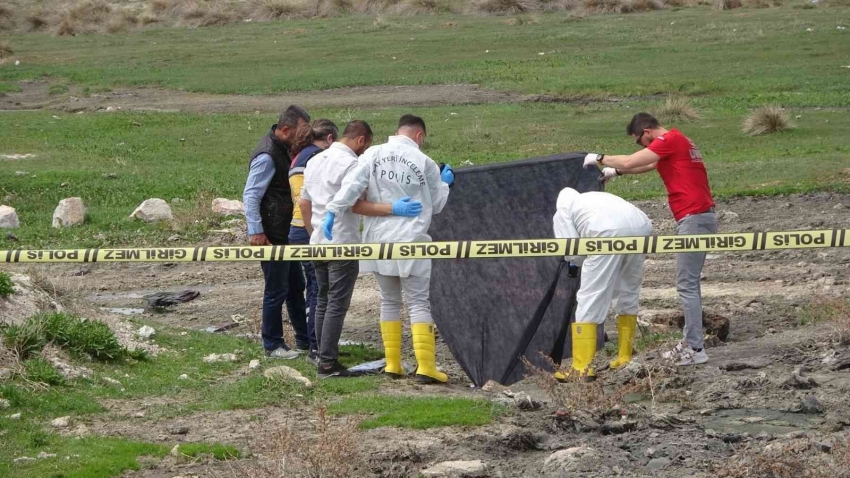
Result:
[[268, 212]]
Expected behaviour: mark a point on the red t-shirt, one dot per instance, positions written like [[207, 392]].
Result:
[[683, 172]]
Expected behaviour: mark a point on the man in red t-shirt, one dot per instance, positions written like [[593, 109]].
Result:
[[679, 163]]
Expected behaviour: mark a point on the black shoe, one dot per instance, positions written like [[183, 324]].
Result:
[[313, 357], [335, 370]]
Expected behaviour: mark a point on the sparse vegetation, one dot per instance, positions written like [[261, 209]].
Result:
[[40, 370], [766, 120], [726, 4], [791, 459], [5, 49], [832, 311], [7, 287], [82, 337], [677, 109], [331, 450]]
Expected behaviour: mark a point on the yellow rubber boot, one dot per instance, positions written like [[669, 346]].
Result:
[[584, 348], [425, 346], [626, 326], [391, 333]]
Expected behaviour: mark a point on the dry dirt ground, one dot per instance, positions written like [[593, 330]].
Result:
[[702, 417], [35, 95]]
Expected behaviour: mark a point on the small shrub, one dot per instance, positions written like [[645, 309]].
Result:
[[332, 8], [159, 6], [766, 120], [726, 4], [36, 20], [121, 22], [82, 336], [503, 7], [7, 17], [67, 27], [7, 287], [423, 7], [677, 109], [39, 370], [332, 451], [762, 3], [374, 6], [833, 311], [25, 339]]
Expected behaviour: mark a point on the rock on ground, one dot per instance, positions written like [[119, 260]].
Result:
[[465, 469], [146, 332], [153, 210], [283, 372], [575, 459], [213, 358], [9, 218], [228, 207], [61, 422], [70, 212], [27, 301]]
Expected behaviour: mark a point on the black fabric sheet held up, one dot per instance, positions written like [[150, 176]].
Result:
[[482, 307]]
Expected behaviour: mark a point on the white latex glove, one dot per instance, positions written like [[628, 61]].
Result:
[[609, 174], [592, 159]]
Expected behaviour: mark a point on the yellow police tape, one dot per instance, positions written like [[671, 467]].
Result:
[[746, 241]]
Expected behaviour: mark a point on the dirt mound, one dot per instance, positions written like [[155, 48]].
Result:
[[28, 300]]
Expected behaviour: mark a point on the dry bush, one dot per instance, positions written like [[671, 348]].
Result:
[[205, 14], [791, 459], [283, 9], [148, 18], [122, 21], [677, 109], [765, 120], [557, 5], [503, 7], [726, 4], [7, 17], [621, 6], [5, 49], [577, 393], [332, 8], [160, 7], [36, 20], [762, 3], [375, 6], [329, 452]]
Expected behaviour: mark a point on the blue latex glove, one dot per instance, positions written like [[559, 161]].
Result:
[[448, 176], [403, 207], [328, 225]]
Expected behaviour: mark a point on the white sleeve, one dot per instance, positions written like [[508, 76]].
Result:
[[355, 182], [565, 229], [438, 189]]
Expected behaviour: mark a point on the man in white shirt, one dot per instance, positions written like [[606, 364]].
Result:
[[603, 278], [322, 180], [390, 172]]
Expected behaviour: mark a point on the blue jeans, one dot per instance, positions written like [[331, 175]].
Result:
[[284, 283], [298, 235]]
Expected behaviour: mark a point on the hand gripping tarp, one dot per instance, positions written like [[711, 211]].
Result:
[[486, 310]]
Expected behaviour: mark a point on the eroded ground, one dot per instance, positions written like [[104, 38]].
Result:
[[690, 422]]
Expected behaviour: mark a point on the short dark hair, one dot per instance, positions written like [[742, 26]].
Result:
[[291, 115], [640, 122], [412, 120], [356, 129]]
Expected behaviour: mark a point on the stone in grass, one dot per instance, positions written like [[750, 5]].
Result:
[[9, 218], [581, 459], [228, 207], [178, 430], [70, 212], [4, 404], [213, 358], [465, 469], [146, 332], [153, 210], [61, 422], [283, 372]]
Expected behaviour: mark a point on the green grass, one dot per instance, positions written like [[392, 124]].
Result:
[[7, 287], [9, 87], [746, 57], [88, 457], [151, 161], [417, 412], [42, 371], [57, 90]]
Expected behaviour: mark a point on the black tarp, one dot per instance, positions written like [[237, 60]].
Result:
[[483, 306]]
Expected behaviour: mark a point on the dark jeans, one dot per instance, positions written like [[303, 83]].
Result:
[[284, 283], [298, 235], [336, 286]]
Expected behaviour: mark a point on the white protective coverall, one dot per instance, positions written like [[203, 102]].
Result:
[[603, 278], [389, 172]]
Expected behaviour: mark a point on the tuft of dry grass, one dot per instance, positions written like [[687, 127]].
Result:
[[283, 9], [762, 3], [121, 22], [791, 459], [503, 7], [677, 109], [833, 311], [36, 20], [726, 4], [423, 7], [375, 6], [766, 120], [576, 393], [7, 17], [329, 451], [620, 6], [5, 49]]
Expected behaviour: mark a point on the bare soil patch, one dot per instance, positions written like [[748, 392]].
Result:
[[35, 96], [744, 400]]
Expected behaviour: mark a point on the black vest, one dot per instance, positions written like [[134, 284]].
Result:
[[276, 206]]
